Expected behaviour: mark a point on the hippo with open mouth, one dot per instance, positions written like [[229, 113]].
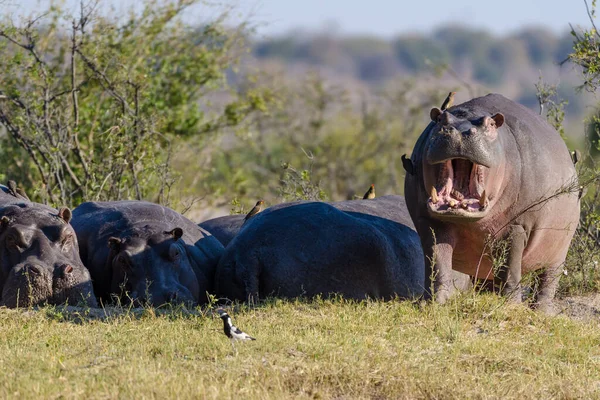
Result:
[[491, 169]]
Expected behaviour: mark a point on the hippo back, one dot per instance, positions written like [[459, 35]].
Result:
[[314, 248]]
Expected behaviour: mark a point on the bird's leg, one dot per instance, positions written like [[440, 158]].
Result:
[[233, 347]]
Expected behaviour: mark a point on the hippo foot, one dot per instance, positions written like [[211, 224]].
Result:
[[546, 307], [442, 296], [514, 296]]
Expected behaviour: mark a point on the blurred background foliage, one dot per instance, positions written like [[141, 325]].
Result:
[[95, 106]]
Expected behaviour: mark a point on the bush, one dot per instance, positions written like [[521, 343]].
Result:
[[92, 102]]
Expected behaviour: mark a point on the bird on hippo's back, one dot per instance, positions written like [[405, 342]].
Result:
[[257, 208], [370, 193]]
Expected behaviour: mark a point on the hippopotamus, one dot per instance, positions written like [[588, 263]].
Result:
[[40, 255], [144, 253], [224, 228], [359, 249], [390, 207], [492, 170]]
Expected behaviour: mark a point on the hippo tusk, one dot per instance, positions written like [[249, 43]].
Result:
[[464, 204], [483, 200], [434, 195], [453, 203]]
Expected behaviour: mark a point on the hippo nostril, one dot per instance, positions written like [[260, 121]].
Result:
[[32, 270]]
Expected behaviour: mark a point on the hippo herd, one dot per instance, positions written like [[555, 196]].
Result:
[[483, 171]]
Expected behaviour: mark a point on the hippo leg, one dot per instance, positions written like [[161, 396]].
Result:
[[511, 274], [438, 251], [548, 285], [251, 279]]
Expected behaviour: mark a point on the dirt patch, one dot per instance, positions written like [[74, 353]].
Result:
[[580, 307]]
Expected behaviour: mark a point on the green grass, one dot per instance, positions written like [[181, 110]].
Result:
[[473, 347]]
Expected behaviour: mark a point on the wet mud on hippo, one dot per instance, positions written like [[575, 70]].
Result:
[[491, 168], [312, 248], [39, 254], [145, 253]]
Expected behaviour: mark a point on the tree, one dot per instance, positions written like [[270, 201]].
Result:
[[92, 102]]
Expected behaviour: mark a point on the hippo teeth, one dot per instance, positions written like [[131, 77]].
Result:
[[457, 195], [434, 195], [459, 187]]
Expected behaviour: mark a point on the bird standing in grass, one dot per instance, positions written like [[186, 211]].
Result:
[[449, 101], [370, 193], [231, 331], [257, 208]]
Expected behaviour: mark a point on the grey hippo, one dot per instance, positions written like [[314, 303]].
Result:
[[491, 170], [40, 255], [144, 253], [359, 249]]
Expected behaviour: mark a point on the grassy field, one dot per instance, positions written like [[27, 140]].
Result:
[[474, 347]]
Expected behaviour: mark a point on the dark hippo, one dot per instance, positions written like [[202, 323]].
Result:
[[493, 167], [144, 252], [224, 228], [389, 207], [40, 256], [304, 249]]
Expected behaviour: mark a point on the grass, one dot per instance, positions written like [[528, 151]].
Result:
[[473, 347]]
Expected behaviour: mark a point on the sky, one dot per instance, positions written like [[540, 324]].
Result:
[[383, 17]]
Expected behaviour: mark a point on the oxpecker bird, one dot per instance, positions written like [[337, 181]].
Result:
[[370, 193], [257, 208], [449, 101], [407, 164], [575, 156]]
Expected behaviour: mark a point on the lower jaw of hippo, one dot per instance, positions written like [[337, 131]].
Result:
[[459, 191]]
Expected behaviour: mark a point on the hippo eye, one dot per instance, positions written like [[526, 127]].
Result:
[[174, 253], [66, 242], [13, 243], [124, 263]]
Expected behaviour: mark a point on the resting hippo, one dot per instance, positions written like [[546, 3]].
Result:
[[310, 248], [224, 228], [145, 253], [40, 256], [493, 167], [388, 207]]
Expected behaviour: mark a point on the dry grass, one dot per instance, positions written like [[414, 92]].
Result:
[[474, 347]]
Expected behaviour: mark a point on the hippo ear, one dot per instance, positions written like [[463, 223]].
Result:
[[177, 233], [498, 119], [65, 214], [435, 113], [4, 221], [114, 243]]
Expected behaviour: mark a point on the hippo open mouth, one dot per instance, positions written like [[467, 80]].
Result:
[[459, 188]]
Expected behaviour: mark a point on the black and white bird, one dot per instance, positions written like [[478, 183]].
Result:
[[231, 331]]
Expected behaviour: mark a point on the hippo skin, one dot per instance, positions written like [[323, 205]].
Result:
[[492, 167], [224, 228], [39, 254], [390, 207], [359, 249], [145, 253]]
